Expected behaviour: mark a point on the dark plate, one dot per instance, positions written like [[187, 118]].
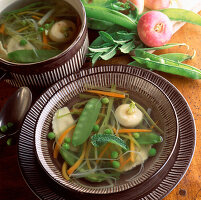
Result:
[[153, 188]]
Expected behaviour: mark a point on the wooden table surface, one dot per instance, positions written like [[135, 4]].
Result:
[[12, 185]]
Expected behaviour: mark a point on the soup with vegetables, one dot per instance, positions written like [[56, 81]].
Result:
[[38, 31], [102, 136]]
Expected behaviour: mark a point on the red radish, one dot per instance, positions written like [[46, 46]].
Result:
[[138, 3], [154, 29], [157, 4]]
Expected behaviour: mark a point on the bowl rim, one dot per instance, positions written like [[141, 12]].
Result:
[[64, 52], [75, 78]]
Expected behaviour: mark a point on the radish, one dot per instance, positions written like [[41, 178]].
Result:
[[157, 4], [138, 3], [154, 29]]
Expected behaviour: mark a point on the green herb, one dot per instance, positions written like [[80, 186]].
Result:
[[101, 139]]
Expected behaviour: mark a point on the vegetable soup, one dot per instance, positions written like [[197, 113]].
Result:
[[37, 31], [103, 135]]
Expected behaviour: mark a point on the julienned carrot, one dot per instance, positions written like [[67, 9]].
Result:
[[79, 161], [132, 148], [22, 29], [125, 162], [35, 17], [103, 152], [45, 41], [110, 94], [131, 130], [64, 170], [60, 140], [2, 28]]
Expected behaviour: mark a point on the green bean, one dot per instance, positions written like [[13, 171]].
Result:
[[86, 121], [178, 14], [149, 138], [178, 57], [162, 64], [109, 15]]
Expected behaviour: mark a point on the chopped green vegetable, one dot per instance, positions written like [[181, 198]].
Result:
[[31, 56], [86, 121], [67, 140], [136, 135], [23, 42], [9, 124], [152, 152], [116, 164], [108, 131], [101, 139], [3, 128], [9, 141], [51, 135], [41, 29], [65, 146], [114, 155], [96, 128], [105, 100]]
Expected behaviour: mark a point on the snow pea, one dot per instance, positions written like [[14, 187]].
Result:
[[102, 13], [96, 24], [149, 138], [178, 14], [68, 156], [86, 121], [166, 65], [178, 57]]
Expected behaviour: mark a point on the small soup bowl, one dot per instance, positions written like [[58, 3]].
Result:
[[45, 73]]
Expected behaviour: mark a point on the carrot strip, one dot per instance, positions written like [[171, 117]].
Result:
[[131, 130], [110, 94], [35, 17], [45, 41], [125, 162], [79, 161], [132, 148], [87, 155], [22, 29], [2, 28], [64, 170], [103, 152], [60, 140]]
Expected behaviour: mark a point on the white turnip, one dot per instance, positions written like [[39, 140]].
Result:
[[154, 29]]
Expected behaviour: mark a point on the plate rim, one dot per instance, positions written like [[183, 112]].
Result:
[[163, 79]]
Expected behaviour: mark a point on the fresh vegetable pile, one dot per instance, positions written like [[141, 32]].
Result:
[[125, 29], [104, 135]]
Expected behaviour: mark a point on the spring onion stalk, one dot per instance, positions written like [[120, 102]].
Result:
[[45, 17]]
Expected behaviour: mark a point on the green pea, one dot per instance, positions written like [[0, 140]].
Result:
[[51, 135], [152, 152], [114, 155], [116, 164], [47, 26], [108, 131], [9, 141], [41, 29], [105, 100], [67, 140], [66, 146], [136, 135], [9, 124], [96, 128], [3, 128], [23, 42]]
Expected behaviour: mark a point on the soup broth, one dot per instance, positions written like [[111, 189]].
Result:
[[37, 31]]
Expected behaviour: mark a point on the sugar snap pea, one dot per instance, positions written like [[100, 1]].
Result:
[[149, 138], [86, 121], [166, 65]]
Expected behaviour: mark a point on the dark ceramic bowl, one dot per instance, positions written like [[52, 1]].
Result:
[[45, 73], [142, 91]]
